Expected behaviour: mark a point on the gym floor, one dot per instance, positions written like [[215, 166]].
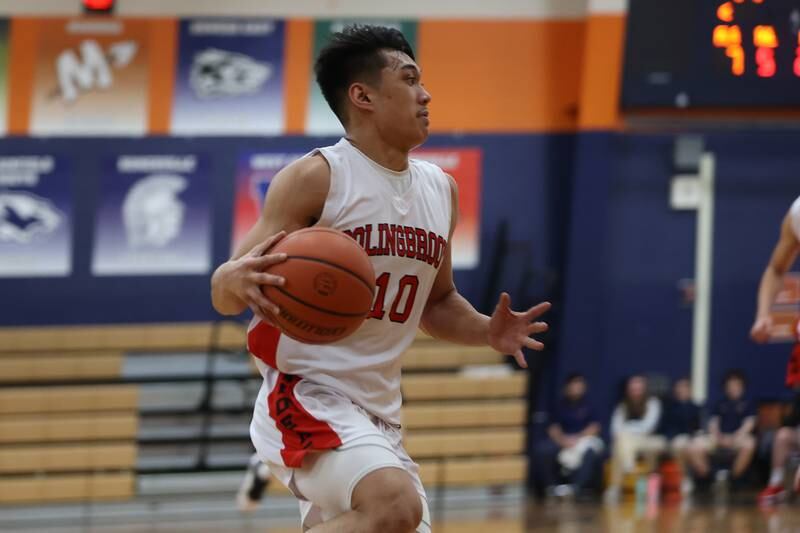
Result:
[[465, 513]]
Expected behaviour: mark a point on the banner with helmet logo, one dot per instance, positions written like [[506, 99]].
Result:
[[35, 216], [153, 216], [88, 76], [320, 120], [229, 77], [254, 173]]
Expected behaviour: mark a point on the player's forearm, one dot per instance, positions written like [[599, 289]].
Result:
[[771, 283], [452, 318], [223, 300]]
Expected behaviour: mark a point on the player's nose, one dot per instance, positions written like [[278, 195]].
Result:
[[425, 97]]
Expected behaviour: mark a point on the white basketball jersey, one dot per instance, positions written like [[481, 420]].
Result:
[[794, 215], [405, 235]]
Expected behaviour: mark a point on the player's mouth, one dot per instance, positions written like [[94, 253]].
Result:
[[424, 115]]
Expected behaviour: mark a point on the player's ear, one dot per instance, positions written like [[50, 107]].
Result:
[[359, 95]]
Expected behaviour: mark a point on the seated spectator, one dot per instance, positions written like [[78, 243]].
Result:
[[732, 423], [681, 424], [573, 450], [633, 426]]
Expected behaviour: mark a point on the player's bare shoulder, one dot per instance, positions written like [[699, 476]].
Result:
[[310, 175], [299, 191]]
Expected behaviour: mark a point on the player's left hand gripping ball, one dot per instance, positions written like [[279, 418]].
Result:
[[510, 331]]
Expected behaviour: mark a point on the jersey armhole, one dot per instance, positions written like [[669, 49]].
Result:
[[331, 208], [794, 214]]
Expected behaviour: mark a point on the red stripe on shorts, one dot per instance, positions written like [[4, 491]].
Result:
[[262, 342], [300, 431]]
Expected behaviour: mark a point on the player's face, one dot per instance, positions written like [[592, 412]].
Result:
[[401, 106]]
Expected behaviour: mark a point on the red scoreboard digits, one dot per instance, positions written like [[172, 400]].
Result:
[[729, 35]]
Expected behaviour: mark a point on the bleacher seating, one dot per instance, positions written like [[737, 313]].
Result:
[[74, 426]]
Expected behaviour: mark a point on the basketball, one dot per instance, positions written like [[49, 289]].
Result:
[[329, 285]]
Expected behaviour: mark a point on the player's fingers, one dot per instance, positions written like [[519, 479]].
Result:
[[537, 310], [268, 243], [537, 327], [262, 278], [504, 302], [533, 344], [266, 260], [520, 358], [258, 299]]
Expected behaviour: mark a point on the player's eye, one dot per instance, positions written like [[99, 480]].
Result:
[[411, 80]]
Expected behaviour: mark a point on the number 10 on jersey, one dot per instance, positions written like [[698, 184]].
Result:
[[406, 294]]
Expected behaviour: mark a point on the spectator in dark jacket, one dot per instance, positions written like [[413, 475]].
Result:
[[681, 424], [574, 449]]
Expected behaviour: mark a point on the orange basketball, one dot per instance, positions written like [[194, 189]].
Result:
[[329, 285]]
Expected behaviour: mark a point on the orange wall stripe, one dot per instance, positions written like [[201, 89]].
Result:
[[502, 76], [297, 73], [22, 61], [602, 72], [163, 58]]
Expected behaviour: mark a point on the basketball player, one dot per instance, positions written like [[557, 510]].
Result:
[[327, 417], [787, 439]]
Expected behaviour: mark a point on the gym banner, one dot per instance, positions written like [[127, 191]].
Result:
[[254, 173], [464, 164], [153, 216], [229, 77], [90, 76], [3, 76], [35, 216], [320, 120]]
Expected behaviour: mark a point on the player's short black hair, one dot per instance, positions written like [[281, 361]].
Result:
[[354, 54]]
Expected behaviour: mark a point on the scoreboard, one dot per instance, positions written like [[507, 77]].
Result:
[[712, 53]]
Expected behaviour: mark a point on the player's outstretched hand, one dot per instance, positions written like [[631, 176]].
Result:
[[249, 276], [510, 331], [761, 329]]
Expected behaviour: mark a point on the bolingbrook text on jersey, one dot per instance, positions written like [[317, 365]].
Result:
[[400, 241]]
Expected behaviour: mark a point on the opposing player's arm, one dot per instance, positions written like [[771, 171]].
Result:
[[294, 200], [449, 316], [783, 256]]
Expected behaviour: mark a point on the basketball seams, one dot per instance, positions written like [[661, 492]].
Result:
[[315, 307], [325, 262]]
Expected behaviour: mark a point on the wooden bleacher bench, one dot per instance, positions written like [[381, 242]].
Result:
[[67, 443], [432, 355], [62, 399], [67, 487], [478, 442], [132, 337], [67, 457], [26, 428], [463, 430], [35, 367], [425, 415], [456, 387]]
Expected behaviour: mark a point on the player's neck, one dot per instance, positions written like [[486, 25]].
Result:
[[378, 150]]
